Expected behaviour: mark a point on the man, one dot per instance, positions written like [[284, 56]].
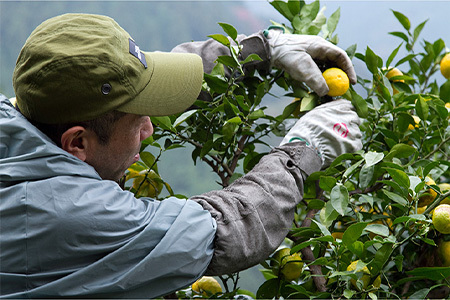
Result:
[[85, 92]]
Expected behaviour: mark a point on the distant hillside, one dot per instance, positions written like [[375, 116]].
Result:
[[155, 25]]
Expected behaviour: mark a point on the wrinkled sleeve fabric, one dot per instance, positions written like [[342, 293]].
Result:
[[129, 248], [255, 212], [211, 49]]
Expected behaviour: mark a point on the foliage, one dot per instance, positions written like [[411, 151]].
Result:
[[364, 207]]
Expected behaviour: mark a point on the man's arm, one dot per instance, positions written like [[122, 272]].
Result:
[[294, 53], [255, 212], [211, 49]]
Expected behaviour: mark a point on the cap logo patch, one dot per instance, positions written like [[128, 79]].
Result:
[[134, 49]]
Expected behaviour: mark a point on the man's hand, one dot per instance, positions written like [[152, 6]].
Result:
[[331, 128], [296, 53]]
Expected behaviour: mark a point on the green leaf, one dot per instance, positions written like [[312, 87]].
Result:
[[418, 30], [147, 158], [372, 158], [352, 168], [327, 238], [294, 6], [229, 29], [250, 58], [268, 289], [316, 204], [379, 229], [227, 61], [438, 46], [283, 8], [381, 257], [256, 114], [326, 183], [328, 214], [353, 232], [422, 108], [402, 19], [366, 176], [289, 109], [444, 93], [357, 248], [348, 293], [392, 56], [183, 117], [221, 39], [322, 228], [230, 127], [216, 83], [399, 177], [400, 35], [404, 59], [403, 121], [339, 198], [420, 294], [351, 50], [351, 236], [163, 122], [432, 273], [371, 61], [360, 104], [394, 197], [401, 151], [333, 20], [206, 148]]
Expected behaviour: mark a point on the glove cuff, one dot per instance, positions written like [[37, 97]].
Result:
[[266, 31], [304, 157]]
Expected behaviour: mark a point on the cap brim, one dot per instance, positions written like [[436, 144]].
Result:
[[174, 85]]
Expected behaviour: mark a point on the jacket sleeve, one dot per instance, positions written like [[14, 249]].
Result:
[[255, 212], [211, 49]]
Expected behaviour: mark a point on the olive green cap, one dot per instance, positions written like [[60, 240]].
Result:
[[76, 67]]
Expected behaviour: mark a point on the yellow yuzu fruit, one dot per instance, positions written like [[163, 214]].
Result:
[[445, 66], [148, 185], [337, 81], [421, 210], [429, 195], [444, 187], [441, 218], [391, 73], [444, 253], [365, 277], [337, 235], [290, 265], [207, 286], [416, 120], [394, 72]]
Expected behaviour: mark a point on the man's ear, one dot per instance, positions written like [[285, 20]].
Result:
[[77, 140]]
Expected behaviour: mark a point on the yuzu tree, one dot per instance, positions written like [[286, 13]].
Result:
[[366, 207]]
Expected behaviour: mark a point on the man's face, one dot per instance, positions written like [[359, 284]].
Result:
[[113, 159]]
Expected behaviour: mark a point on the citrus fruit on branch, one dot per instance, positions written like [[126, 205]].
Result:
[[441, 218], [207, 286], [290, 266], [365, 277], [337, 81], [445, 66]]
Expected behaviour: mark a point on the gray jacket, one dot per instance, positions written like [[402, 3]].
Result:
[[67, 233]]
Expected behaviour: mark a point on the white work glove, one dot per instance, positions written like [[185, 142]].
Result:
[[295, 54], [331, 128]]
